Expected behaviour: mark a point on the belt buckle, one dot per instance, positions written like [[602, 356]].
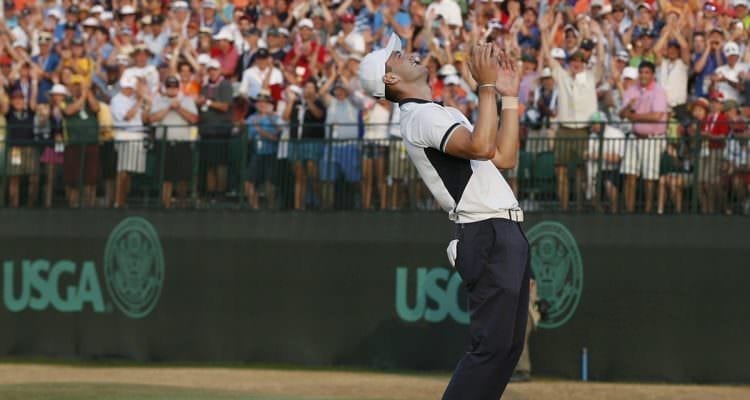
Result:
[[516, 215]]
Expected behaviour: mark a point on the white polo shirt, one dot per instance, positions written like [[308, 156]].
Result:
[[577, 97], [673, 76], [468, 190], [732, 74]]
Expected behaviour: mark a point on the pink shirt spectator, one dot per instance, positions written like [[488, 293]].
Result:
[[650, 99], [228, 61]]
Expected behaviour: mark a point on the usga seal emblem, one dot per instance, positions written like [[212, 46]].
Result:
[[558, 269], [134, 267]]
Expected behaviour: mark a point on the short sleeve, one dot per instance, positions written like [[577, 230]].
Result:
[[432, 127]]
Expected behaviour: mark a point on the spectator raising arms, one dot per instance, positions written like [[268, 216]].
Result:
[[82, 137], [23, 159], [110, 64]]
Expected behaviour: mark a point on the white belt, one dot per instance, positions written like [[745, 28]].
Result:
[[512, 214], [515, 215]]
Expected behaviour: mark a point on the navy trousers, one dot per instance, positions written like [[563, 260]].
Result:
[[493, 261]]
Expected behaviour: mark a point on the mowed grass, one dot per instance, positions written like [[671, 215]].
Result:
[[94, 391], [70, 382]]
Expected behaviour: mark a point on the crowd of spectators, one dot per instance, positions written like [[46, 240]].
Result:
[[91, 91]]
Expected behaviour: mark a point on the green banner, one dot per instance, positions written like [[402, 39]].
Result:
[[663, 297]]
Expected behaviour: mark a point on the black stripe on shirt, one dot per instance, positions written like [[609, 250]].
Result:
[[446, 135]]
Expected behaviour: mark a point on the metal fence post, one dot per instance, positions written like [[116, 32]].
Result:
[[162, 164], [81, 165], [599, 196], [244, 162], [697, 142], [4, 167]]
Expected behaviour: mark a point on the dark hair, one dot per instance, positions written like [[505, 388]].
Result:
[[183, 63], [647, 64], [313, 81], [391, 95]]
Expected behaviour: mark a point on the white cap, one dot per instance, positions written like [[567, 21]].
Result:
[[55, 13], [372, 67], [284, 32], [744, 3], [213, 63], [180, 4], [128, 81], [127, 10], [623, 55], [447, 69], [106, 16], [224, 35], [208, 4], [97, 9], [91, 21], [307, 22], [597, 3], [731, 49], [59, 89], [452, 80], [630, 73], [557, 53], [203, 59], [546, 73]]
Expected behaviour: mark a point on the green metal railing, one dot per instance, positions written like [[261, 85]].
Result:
[[555, 172]]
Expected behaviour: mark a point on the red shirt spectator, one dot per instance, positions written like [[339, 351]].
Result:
[[226, 53], [305, 48], [716, 123]]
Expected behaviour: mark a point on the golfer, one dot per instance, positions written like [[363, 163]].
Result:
[[459, 162]]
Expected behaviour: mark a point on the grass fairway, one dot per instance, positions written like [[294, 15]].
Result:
[[31, 381], [94, 391]]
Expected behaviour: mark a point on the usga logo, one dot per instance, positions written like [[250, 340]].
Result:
[[436, 284], [555, 260], [133, 269]]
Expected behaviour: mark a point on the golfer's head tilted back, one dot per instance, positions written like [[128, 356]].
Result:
[[459, 162]]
